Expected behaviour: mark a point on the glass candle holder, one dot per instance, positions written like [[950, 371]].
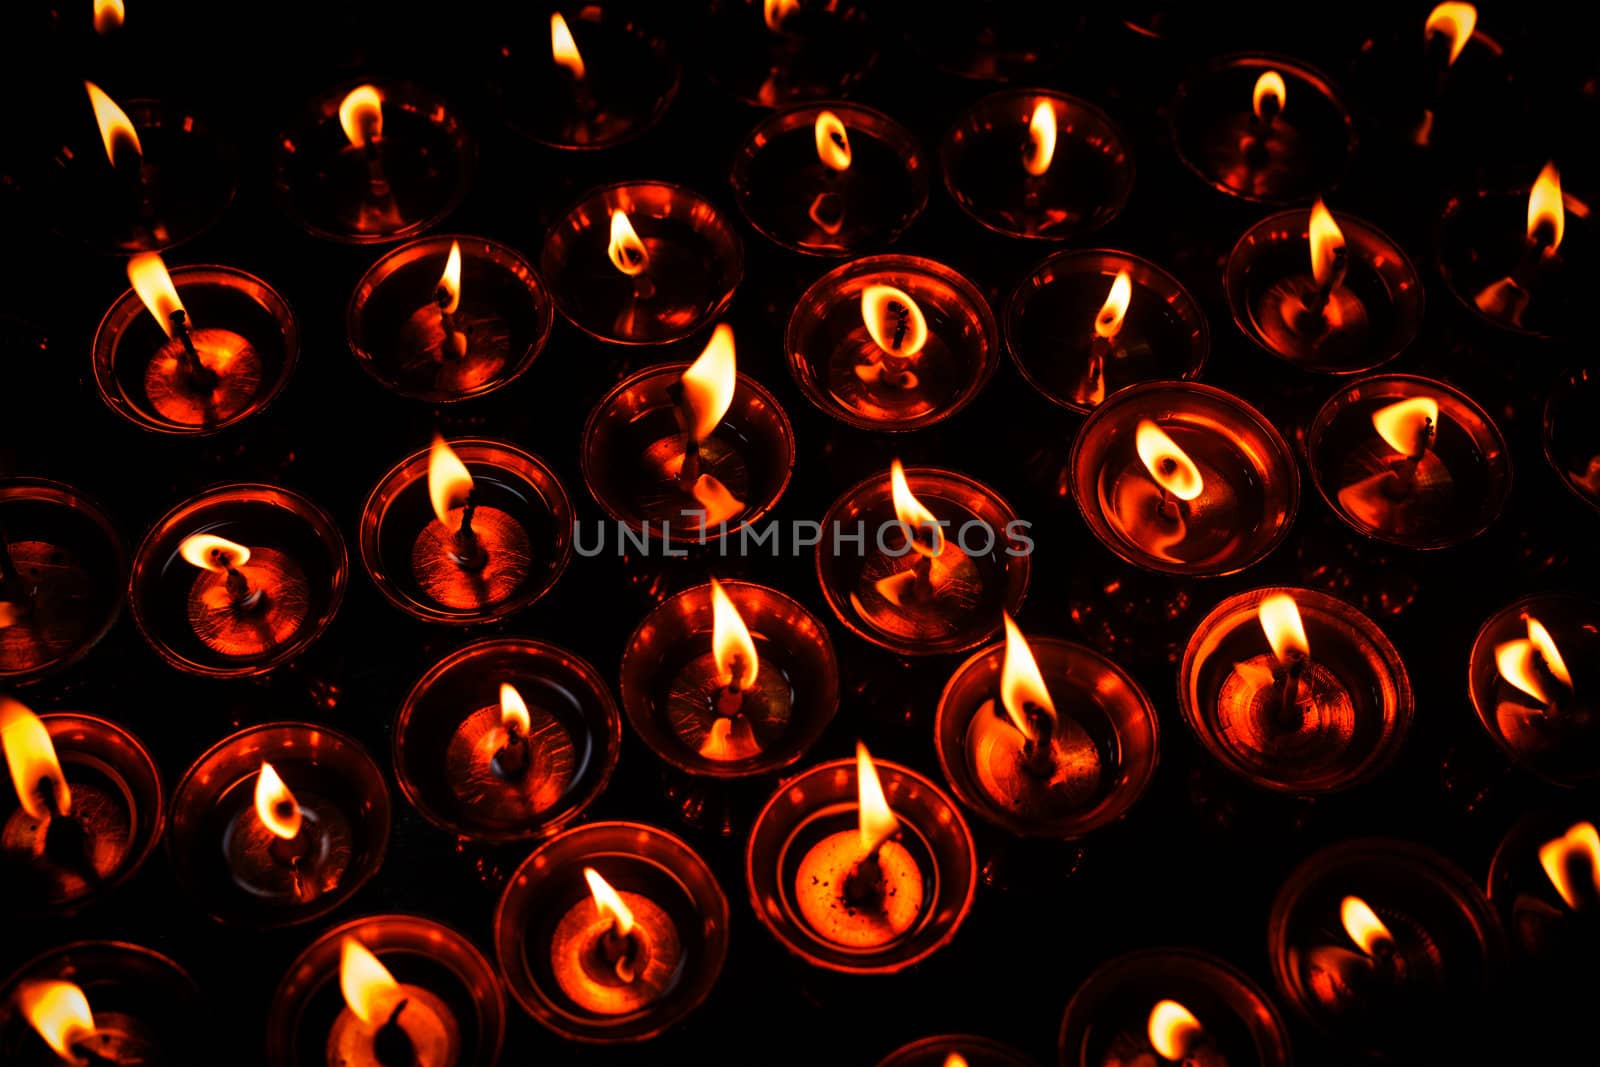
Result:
[[1321, 723], [1271, 145], [1364, 320], [242, 870], [806, 828], [551, 934], [938, 1051], [402, 335], [680, 262], [865, 373], [1395, 969], [1231, 514], [523, 520], [243, 331], [63, 568], [227, 617], [633, 451], [1543, 885], [1448, 487], [958, 595], [59, 863], [396, 183], [1571, 433], [460, 764], [1104, 743], [989, 153], [792, 188], [453, 998], [774, 54], [1057, 326], [1542, 713], [1113, 1018]]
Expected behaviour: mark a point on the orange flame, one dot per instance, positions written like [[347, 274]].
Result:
[[709, 382], [1327, 242], [1580, 843], [514, 710], [1041, 139], [450, 280], [628, 253], [1456, 20], [833, 141], [1108, 323], [1168, 464], [1364, 926], [212, 553], [1408, 425], [730, 642], [609, 902], [875, 822], [108, 16], [115, 127], [955, 1059], [59, 1011], [1280, 619], [909, 510], [449, 483], [275, 805], [1173, 1030], [154, 285], [1517, 662], [563, 48], [1269, 87], [894, 320], [775, 11], [361, 115], [1547, 216], [370, 991], [1021, 684], [32, 758]]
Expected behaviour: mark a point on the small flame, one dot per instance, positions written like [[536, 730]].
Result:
[[876, 823], [1041, 139], [1327, 245], [775, 11], [1457, 20], [709, 382], [1021, 684], [894, 320], [563, 48], [609, 902], [1518, 662], [628, 253], [361, 115], [370, 991], [154, 285], [1280, 619], [1108, 323], [1173, 1030], [114, 124], [514, 710], [59, 1011], [1168, 464], [955, 1059], [833, 141], [1409, 425], [212, 553], [450, 280], [32, 758], [731, 645], [108, 16], [449, 483], [275, 805], [909, 510], [1547, 216], [1364, 926], [1581, 843], [1270, 95]]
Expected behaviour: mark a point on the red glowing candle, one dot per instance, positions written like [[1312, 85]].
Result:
[[386, 1023]]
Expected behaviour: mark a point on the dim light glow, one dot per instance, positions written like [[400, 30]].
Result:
[[1021, 684], [833, 141], [115, 126], [1547, 214], [212, 553], [875, 821], [1518, 662], [1168, 464], [1327, 244], [955, 1059], [59, 1011], [910, 511], [31, 756], [370, 991], [1269, 89], [514, 710], [731, 645], [609, 902], [150, 279], [1455, 20], [894, 320], [1364, 926], [450, 280], [1108, 323], [1286, 633], [775, 11], [108, 16], [1408, 426], [709, 382], [361, 115], [563, 48], [1173, 1030], [626, 251], [275, 805], [1581, 842], [1041, 139], [449, 483]]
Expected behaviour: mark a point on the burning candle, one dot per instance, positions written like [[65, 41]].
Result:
[[1446, 32], [108, 16], [470, 556], [1545, 882], [60, 1013], [779, 52], [385, 1023], [1572, 862], [615, 953], [243, 603]]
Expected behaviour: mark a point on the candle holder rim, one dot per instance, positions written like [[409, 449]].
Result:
[[160, 959], [1547, 437], [1005, 1055]]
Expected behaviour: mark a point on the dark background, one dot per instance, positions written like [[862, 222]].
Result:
[[1199, 858]]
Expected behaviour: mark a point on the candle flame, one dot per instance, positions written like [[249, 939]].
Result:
[[1579, 845], [1364, 926], [1108, 323], [1455, 20], [1041, 147], [108, 16], [894, 320], [955, 1059], [833, 141], [1408, 426], [370, 991], [115, 127], [1280, 619], [449, 483], [731, 645], [1021, 684], [59, 1011], [563, 48], [1547, 216], [628, 253], [275, 805], [709, 382], [212, 553], [609, 902], [1270, 94], [514, 710], [1168, 464], [361, 115], [450, 280], [1327, 245], [909, 510], [875, 822], [150, 279], [1518, 662], [32, 758], [775, 11], [1173, 1030]]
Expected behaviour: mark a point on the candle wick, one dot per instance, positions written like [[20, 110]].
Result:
[[621, 951], [469, 552], [453, 345], [392, 1046], [864, 884], [1405, 472], [1038, 751], [202, 377], [377, 179], [84, 1051], [730, 699], [244, 598], [689, 473], [66, 840], [1169, 507], [512, 759], [1288, 718]]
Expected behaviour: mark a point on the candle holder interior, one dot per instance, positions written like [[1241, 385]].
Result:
[[1086, 186], [1460, 484], [418, 952], [821, 802], [514, 492], [1544, 925], [448, 736], [1370, 317], [1572, 434], [843, 371], [398, 335], [71, 569], [644, 863], [1050, 328], [336, 191], [1105, 742], [243, 330], [297, 560], [695, 262], [803, 52], [223, 856]]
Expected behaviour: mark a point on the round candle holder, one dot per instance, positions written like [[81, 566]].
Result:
[[113, 821], [769, 55], [937, 1052], [1370, 317], [523, 520], [449, 738], [444, 973], [1304, 150], [1108, 1019], [1571, 433], [1444, 951], [632, 448], [400, 335], [547, 914], [146, 1008], [1349, 712], [1457, 487], [844, 372], [1050, 327], [1086, 185], [1105, 743], [693, 262], [1558, 740], [398, 185], [1550, 917], [970, 583], [794, 199], [1251, 484], [226, 857], [244, 332], [810, 811], [63, 568], [297, 571]]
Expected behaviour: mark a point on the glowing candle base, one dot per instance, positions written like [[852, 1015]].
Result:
[[608, 975], [429, 1029]]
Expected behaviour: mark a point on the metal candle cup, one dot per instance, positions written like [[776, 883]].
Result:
[[450, 736], [1571, 433], [1543, 885], [937, 1052], [229, 860], [773, 54]]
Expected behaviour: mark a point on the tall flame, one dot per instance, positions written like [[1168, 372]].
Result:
[[1173, 1030], [833, 141], [1547, 214], [59, 1011], [108, 16], [894, 320], [212, 553], [775, 11], [563, 48], [709, 382], [1021, 684], [514, 710], [1327, 244], [450, 280], [731, 645], [1168, 464], [1364, 926], [1581, 843], [1280, 619], [1518, 662], [1408, 426], [154, 285], [1270, 95], [909, 510], [361, 115], [628, 253], [115, 127], [449, 483], [370, 991], [1455, 20], [1108, 323], [875, 822], [32, 758], [1041, 139], [275, 805], [609, 902]]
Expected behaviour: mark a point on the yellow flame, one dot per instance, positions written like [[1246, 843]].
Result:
[[731, 645], [1518, 662], [31, 755], [108, 16], [212, 553], [775, 11], [609, 902], [1021, 684], [449, 483], [1407, 425], [1041, 139], [628, 253], [1327, 241], [154, 285], [59, 1011], [370, 991], [875, 822], [909, 510], [894, 320], [709, 382], [833, 141], [1364, 926], [1173, 1030], [514, 710], [450, 280], [1581, 841], [1280, 619], [1168, 464], [1547, 213], [115, 127], [955, 1059], [563, 48], [1269, 86], [1108, 323], [275, 805], [361, 115], [1456, 20]]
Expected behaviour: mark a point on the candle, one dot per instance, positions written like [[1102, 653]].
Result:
[[60, 1013], [386, 1023], [243, 603], [778, 52], [1545, 882], [283, 848], [1446, 32], [522, 757], [108, 16], [470, 556], [616, 953]]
